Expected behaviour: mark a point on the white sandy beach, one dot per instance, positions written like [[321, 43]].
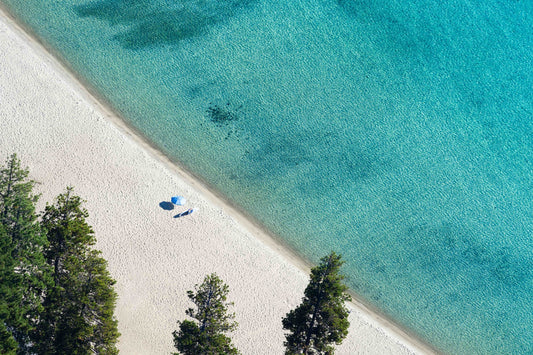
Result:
[[66, 138]]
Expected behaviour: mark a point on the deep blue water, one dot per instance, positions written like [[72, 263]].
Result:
[[397, 133]]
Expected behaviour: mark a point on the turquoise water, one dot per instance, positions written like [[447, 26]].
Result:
[[398, 134]]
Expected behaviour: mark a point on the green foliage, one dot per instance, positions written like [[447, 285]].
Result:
[[205, 335], [78, 316], [56, 295], [321, 319], [24, 274], [8, 344], [10, 294]]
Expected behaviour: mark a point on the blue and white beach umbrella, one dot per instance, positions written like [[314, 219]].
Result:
[[178, 200]]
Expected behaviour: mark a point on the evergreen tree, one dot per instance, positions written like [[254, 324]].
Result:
[[321, 319], [9, 295], [8, 345], [24, 274], [78, 316], [205, 335]]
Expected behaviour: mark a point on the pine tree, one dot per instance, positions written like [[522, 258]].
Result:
[[8, 345], [321, 319], [24, 274], [205, 335], [78, 317], [9, 294]]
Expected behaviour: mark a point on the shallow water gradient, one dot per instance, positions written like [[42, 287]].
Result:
[[398, 134]]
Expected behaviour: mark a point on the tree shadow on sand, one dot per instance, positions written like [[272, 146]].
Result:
[[149, 23]]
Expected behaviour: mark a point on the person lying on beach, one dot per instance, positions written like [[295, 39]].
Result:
[[185, 213]]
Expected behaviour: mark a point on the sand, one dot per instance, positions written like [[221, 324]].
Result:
[[67, 138]]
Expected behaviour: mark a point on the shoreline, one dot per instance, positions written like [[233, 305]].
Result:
[[241, 220]]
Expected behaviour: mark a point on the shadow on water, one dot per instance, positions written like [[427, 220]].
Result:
[[150, 23], [167, 206]]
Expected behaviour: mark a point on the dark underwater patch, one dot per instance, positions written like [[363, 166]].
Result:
[[222, 114], [224, 117], [149, 24], [484, 265]]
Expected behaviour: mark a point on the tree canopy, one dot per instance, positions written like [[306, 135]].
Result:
[[56, 295], [78, 316], [205, 335], [24, 274], [321, 319]]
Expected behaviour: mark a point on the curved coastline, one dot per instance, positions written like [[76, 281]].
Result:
[[386, 327]]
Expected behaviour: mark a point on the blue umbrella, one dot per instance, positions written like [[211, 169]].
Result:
[[178, 200]]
